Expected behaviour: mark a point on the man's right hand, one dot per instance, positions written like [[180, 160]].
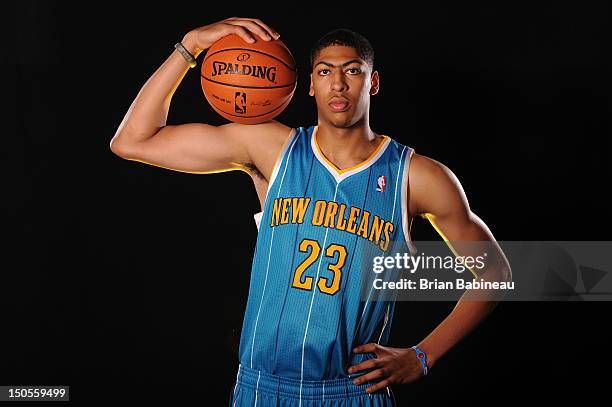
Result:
[[203, 37]]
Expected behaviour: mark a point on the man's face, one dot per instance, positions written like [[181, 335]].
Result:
[[342, 83]]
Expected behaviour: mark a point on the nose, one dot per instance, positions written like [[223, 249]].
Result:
[[338, 82]]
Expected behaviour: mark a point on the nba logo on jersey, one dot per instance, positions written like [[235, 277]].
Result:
[[382, 182]]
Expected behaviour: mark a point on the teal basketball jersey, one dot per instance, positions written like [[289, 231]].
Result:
[[305, 312]]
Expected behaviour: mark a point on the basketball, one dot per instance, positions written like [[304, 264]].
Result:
[[248, 83]]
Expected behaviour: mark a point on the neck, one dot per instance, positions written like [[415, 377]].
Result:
[[346, 147]]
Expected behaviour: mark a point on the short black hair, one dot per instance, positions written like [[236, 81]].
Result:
[[347, 38]]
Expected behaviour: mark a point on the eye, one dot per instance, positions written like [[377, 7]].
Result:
[[356, 71], [323, 70]]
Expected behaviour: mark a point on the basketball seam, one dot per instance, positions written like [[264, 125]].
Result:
[[251, 117], [251, 50], [249, 87]]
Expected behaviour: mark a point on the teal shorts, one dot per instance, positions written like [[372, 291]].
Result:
[[255, 388]]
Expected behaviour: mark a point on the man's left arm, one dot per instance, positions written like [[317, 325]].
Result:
[[436, 194], [440, 198]]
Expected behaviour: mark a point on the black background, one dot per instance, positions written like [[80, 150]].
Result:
[[129, 281]]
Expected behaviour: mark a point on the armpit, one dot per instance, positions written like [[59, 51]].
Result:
[[253, 170]]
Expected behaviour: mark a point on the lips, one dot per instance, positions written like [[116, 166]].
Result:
[[339, 104]]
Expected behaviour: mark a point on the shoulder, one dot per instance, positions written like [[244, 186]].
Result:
[[433, 184], [424, 168], [260, 140], [268, 132], [263, 142], [269, 138]]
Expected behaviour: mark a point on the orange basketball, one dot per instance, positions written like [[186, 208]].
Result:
[[248, 83]]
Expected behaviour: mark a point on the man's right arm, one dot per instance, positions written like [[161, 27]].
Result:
[[196, 147]]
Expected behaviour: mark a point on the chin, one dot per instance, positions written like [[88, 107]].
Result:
[[349, 122], [341, 122]]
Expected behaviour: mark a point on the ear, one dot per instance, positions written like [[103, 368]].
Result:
[[311, 91], [375, 83]]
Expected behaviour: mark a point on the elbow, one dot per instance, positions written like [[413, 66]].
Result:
[[503, 274], [120, 147], [500, 274]]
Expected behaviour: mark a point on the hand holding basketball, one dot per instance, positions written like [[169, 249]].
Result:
[[207, 35]]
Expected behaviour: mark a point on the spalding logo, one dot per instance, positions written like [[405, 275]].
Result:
[[243, 57], [258, 71]]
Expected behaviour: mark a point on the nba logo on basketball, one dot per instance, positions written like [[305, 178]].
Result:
[[240, 103], [382, 182]]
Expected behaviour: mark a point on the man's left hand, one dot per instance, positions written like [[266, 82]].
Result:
[[393, 365]]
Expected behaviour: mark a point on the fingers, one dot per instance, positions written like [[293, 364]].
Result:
[[368, 364], [255, 26], [368, 347], [240, 31], [370, 376], [380, 385], [266, 27]]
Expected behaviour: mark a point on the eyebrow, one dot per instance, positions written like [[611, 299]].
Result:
[[343, 65]]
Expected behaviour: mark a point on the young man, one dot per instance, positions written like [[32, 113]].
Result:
[[329, 194]]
